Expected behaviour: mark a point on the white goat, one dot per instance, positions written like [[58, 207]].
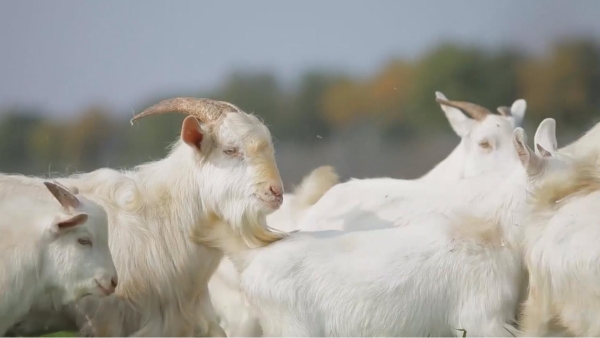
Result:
[[486, 148], [444, 274], [482, 139], [52, 244], [220, 179], [234, 313], [561, 250], [586, 144]]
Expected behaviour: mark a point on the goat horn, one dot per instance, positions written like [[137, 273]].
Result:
[[205, 110], [475, 111], [504, 111]]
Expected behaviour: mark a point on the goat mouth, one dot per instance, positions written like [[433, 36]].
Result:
[[103, 289], [271, 203]]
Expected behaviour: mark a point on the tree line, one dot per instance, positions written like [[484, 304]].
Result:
[[398, 100]]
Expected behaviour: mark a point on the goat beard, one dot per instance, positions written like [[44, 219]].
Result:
[[247, 231]]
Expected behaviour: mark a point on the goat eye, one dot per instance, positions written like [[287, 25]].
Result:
[[485, 145], [84, 241], [231, 151]]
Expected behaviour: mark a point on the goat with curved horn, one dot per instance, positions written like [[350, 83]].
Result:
[[475, 111], [205, 110], [504, 111]]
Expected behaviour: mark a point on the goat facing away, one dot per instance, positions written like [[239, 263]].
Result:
[[219, 182], [53, 244], [561, 251], [447, 271], [482, 139], [485, 150]]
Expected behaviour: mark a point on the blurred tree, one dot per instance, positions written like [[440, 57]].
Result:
[[397, 101], [46, 146], [347, 101], [86, 140], [391, 89], [565, 85], [15, 132], [307, 120], [464, 74], [149, 138], [258, 93]]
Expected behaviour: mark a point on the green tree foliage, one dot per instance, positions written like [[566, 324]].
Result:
[[257, 93], [87, 140], [46, 147], [306, 118], [16, 130], [565, 84], [461, 74]]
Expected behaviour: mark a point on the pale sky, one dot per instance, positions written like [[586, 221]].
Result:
[[62, 56]]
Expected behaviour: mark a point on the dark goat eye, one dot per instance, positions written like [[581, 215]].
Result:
[[84, 241]]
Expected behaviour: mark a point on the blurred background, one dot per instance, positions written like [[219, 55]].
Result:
[[339, 82]]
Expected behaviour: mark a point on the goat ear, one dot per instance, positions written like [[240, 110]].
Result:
[[191, 132], [66, 198], [532, 162], [460, 123], [67, 222], [545, 138], [517, 110]]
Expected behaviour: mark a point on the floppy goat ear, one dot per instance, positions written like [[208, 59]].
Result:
[[67, 222], [529, 159], [192, 134], [460, 123], [545, 138]]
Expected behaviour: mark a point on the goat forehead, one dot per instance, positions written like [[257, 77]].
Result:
[[97, 223], [243, 128], [259, 147], [494, 126], [254, 139]]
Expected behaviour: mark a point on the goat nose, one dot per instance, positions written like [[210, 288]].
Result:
[[276, 190], [114, 282]]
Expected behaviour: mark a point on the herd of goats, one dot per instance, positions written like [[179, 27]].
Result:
[[498, 239]]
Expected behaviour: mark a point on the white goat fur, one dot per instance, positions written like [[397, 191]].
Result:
[[310, 190], [445, 273], [469, 159], [586, 144], [153, 210], [339, 205], [40, 255], [561, 250], [355, 204], [233, 311]]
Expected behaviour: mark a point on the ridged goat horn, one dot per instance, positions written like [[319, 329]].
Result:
[[475, 111], [205, 110], [504, 111]]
